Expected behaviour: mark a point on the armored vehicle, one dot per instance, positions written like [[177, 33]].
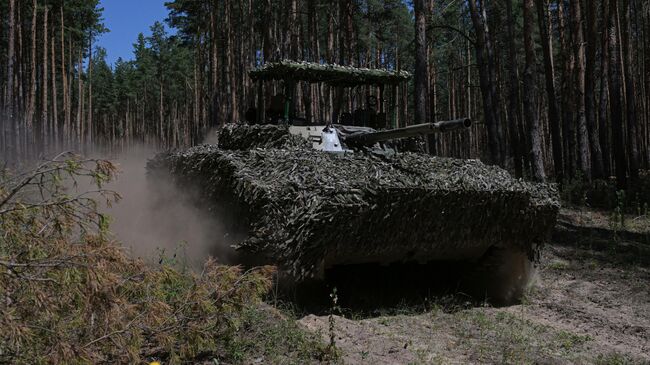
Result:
[[309, 197]]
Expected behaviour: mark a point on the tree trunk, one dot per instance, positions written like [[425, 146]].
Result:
[[214, 70], [630, 91], [232, 77], [55, 119], [513, 97], [44, 84], [590, 86], [29, 120], [530, 85], [80, 97], [488, 85], [615, 85], [64, 87], [549, 73], [603, 116], [294, 45], [9, 141], [581, 121], [421, 63], [568, 122], [89, 140]]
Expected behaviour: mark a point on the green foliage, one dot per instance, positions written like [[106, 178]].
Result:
[[332, 351], [604, 194], [597, 194]]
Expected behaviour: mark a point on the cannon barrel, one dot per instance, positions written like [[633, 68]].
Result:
[[410, 131]]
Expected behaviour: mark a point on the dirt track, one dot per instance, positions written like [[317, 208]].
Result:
[[590, 304]]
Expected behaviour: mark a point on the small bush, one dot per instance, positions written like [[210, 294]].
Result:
[[603, 194], [597, 194]]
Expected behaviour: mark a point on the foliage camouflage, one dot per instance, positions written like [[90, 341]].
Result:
[[243, 137], [328, 73], [306, 209]]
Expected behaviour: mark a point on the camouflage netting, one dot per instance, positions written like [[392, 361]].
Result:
[[332, 74], [236, 136], [239, 136], [308, 210]]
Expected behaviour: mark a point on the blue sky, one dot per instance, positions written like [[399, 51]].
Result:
[[125, 19]]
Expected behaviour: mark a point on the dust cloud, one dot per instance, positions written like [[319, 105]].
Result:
[[156, 219]]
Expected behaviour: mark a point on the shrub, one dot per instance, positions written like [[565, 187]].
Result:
[[68, 294]]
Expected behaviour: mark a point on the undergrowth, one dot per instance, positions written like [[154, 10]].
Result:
[[70, 295]]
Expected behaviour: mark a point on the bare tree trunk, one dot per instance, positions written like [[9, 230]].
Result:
[[345, 22], [55, 119], [630, 91], [488, 84], [19, 107], [29, 120], [64, 87], [581, 121], [549, 73], [603, 117], [79, 130], [161, 116], [89, 141], [44, 83], [590, 86], [9, 141], [293, 24], [330, 59], [568, 122], [232, 84], [214, 69], [530, 85], [615, 86], [513, 97], [421, 63]]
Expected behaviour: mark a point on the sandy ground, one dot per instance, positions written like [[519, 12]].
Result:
[[590, 304]]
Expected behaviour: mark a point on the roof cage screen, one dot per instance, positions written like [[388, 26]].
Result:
[[328, 73]]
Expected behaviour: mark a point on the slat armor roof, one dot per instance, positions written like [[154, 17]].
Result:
[[335, 75]]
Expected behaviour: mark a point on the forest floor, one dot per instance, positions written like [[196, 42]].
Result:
[[590, 304]]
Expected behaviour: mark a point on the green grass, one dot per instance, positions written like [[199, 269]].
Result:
[[613, 359], [508, 338], [271, 337]]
